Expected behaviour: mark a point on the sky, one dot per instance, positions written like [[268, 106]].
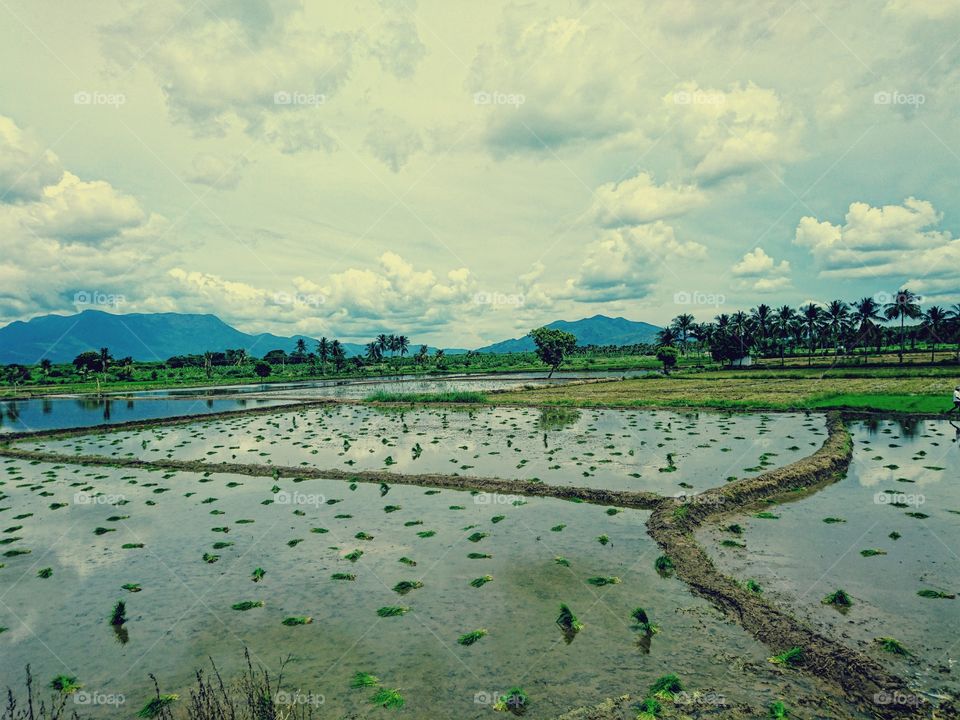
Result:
[[460, 172]]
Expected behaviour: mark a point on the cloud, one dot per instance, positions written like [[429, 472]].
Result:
[[26, 167], [217, 171], [888, 241], [640, 200], [627, 263], [392, 140], [757, 262], [732, 132], [399, 49]]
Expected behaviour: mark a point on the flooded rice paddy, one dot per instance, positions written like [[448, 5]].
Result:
[[666, 452], [887, 535], [344, 578]]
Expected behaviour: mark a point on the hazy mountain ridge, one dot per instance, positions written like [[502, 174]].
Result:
[[596, 330]]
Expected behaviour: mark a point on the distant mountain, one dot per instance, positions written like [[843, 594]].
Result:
[[596, 330], [143, 336]]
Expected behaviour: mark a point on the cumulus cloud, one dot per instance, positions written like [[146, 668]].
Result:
[[217, 171], [640, 200], [26, 167], [626, 263], [734, 131], [392, 140], [399, 48], [760, 273]]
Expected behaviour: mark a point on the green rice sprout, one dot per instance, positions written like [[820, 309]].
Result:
[[838, 598], [935, 594], [392, 611], [643, 623], [479, 556], [601, 581], [754, 586], [391, 699], [248, 605], [568, 621], [210, 559], [663, 565], [793, 656], [478, 536], [405, 586], [427, 533], [258, 574], [890, 645], [767, 516], [558, 528], [833, 520], [354, 556], [872, 552], [471, 637], [297, 620], [481, 581], [343, 576], [408, 562], [603, 540], [155, 707], [66, 684], [363, 680], [515, 700], [779, 711], [119, 615], [666, 687], [363, 536], [562, 561], [131, 587], [45, 573]]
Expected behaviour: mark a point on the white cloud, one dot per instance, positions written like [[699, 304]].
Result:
[[640, 200], [628, 262], [392, 140], [757, 262], [217, 171], [26, 167]]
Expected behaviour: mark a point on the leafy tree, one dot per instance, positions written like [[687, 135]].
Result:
[[323, 352], [903, 306], [262, 369], [87, 362], [934, 320], [553, 346], [373, 352], [783, 318], [668, 356], [338, 355], [812, 315], [683, 326]]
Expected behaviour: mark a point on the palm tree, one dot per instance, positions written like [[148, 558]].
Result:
[[383, 342], [866, 315], [373, 352], [323, 351], [439, 357], [301, 347], [811, 321], [338, 355], [934, 320], [954, 314], [740, 322], [421, 355], [403, 343], [667, 337], [761, 317], [904, 306], [682, 325], [836, 316], [782, 320]]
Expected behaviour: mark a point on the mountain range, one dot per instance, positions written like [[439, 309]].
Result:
[[158, 336]]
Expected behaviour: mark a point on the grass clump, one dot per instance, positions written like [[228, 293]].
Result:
[[663, 565], [650, 709], [362, 680], [838, 598], [248, 605], [753, 586], [392, 611], [779, 711], [387, 698], [119, 615], [790, 657], [157, 706], [257, 574], [471, 637], [666, 687], [65, 684], [515, 700], [890, 645]]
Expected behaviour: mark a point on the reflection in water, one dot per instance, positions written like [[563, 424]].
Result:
[[558, 418]]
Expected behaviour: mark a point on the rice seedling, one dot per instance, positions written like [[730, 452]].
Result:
[[766, 516], [210, 558], [391, 699], [663, 565], [839, 599], [832, 520], [894, 535], [221, 545], [497, 518], [408, 562], [258, 574], [735, 528], [412, 523], [343, 576], [65, 684], [319, 530], [515, 700], [650, 709], [890, 645], [247, 605], [779, 711], [392, 611], [601, 581], [363, 680], [363, 536], [354, 556], [481, 581], [119, 615], [732, 544], [562, 561], [405, 586], [391, 508], [790, 657], [603, 540], [666, 688], [103, 530], [426, 533], [45, 573], [568, 622], [479, 556], [471, 637], [935, 594], [872, 552], [131, 587], [132, 546], [557, 528], [477, 537], [753, 586], [297, 620], [642, 621], [157, 706]]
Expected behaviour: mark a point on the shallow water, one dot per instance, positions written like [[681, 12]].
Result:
[[664, 452], [183, 614], [800, 559]]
